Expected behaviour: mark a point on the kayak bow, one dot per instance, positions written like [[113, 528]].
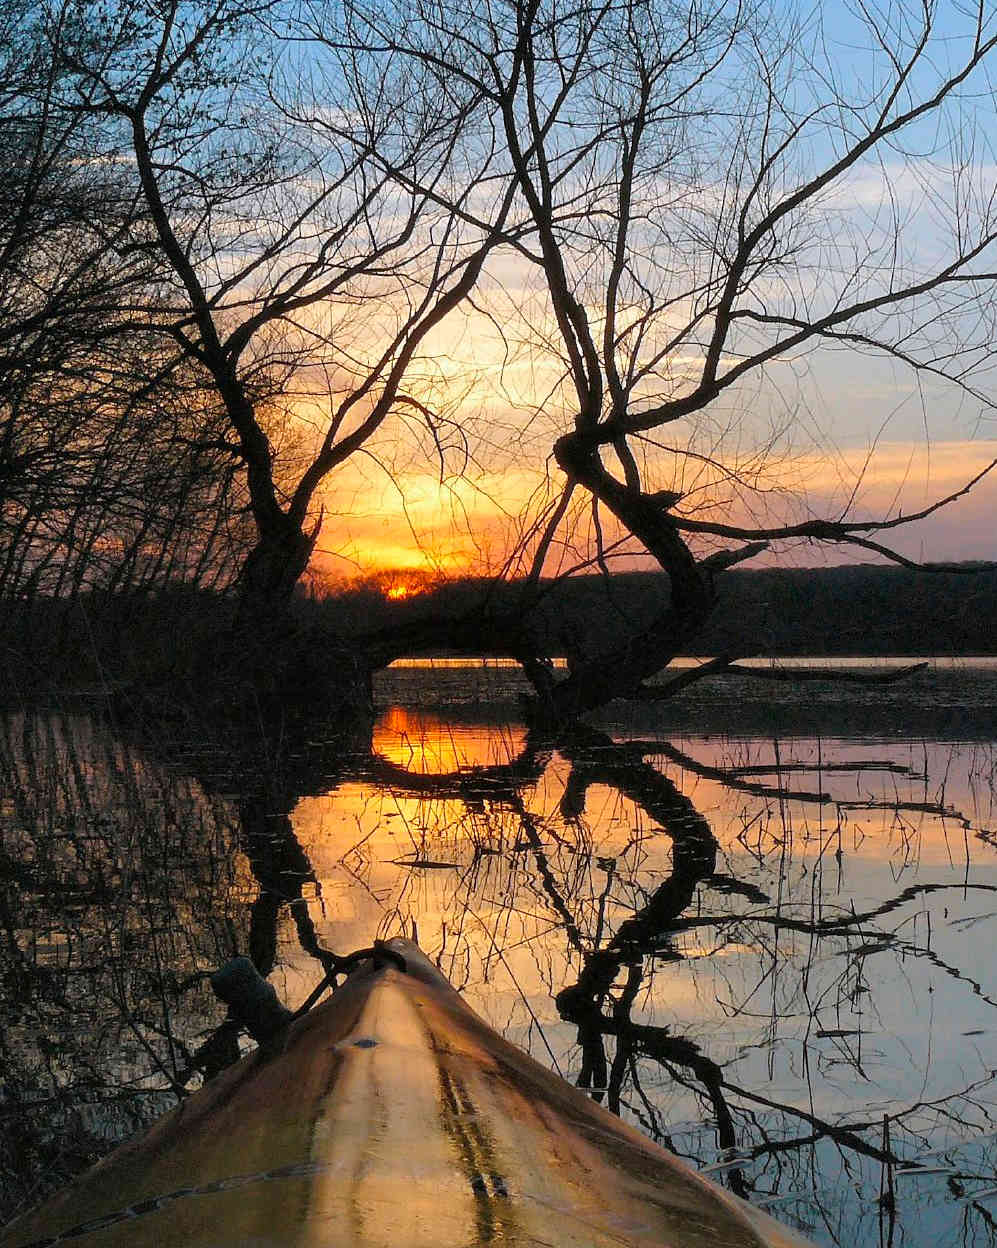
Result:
[[393, 1116]]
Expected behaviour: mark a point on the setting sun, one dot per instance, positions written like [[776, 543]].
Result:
[[399, 585]]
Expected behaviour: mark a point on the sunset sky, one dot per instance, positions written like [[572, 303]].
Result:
[[854, 433], [462, 529], [839, 431], [465, 528]]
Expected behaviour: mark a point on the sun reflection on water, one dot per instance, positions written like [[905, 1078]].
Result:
[[425, 742]]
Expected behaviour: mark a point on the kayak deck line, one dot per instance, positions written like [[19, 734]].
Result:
[[299, 1169], [393, 1116]]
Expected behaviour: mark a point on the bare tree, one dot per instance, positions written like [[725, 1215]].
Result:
[[719, 205], [293, 270], [50, 272], [700, 208], [106, 483]]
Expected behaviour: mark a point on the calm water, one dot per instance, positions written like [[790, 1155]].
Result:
[[758, 921]]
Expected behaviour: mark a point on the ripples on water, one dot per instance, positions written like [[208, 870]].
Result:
[[758, 921]]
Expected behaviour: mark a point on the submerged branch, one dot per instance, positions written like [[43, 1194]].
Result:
[[880, 677]]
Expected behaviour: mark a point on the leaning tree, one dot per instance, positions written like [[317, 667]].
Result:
[[723, 204], [672, 216]]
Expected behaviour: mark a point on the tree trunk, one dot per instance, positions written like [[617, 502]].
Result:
[[599, 680], [295, 667], [272, 570]]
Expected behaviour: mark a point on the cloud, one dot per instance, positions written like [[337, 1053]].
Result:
[[470, 526]]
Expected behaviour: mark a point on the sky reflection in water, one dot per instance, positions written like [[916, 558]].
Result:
[[758, 949], [836, 962]]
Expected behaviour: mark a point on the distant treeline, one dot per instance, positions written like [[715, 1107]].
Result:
[[857, 610], [164, 640], [841, 610]]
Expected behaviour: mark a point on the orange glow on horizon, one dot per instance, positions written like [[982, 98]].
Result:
[[397, 585], [405, 551]]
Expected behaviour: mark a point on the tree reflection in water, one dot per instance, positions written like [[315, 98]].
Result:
[[712, 938]]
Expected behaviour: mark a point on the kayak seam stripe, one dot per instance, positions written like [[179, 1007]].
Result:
[[495, 1215], [153, 1204]]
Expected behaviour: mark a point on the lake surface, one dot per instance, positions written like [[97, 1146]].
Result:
[[758, 920]]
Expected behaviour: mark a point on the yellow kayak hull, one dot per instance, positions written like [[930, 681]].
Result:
[[394, 1117]]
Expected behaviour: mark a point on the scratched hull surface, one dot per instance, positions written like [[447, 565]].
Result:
[[394, 1117]]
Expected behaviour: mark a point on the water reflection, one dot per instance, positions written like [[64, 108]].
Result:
[[422, 741], [774, 955], [120, 884]]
